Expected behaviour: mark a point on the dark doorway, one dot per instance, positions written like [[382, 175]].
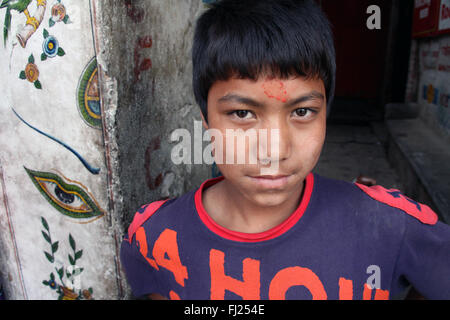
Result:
[[372, 65]]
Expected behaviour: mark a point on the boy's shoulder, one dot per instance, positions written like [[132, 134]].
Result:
[[330, 194], [396, 199], [163, 208], [369, 199]]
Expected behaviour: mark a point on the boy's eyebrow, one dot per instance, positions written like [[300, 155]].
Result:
[[313, 95], [240, 99]]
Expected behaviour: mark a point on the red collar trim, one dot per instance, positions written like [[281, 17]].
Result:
[[252, 237]]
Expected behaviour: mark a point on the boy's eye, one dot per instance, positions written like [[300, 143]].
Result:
[[304, 112], [242, 114]]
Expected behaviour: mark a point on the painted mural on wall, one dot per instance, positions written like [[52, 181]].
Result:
[[54, 225], [58, 284], [88, 95]]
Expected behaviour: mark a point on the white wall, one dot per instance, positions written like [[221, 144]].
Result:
[[52, 105]]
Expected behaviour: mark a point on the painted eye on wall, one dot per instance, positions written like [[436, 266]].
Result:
[[71, 199], [88, 95]]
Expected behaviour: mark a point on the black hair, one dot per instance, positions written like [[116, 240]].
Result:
[[247, 39]]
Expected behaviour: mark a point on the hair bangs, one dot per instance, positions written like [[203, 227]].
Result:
[[277, 39]]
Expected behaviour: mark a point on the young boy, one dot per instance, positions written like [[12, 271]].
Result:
[[291, 234]]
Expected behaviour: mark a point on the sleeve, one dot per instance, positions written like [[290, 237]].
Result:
[[140, 275], [424, 258]]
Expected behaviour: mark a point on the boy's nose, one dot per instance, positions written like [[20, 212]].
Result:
[[277, 146]]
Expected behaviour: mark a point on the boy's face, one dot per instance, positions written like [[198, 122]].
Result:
[[296, 107]]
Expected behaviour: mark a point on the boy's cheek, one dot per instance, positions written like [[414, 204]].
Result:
[[308, 153], [234, 148]]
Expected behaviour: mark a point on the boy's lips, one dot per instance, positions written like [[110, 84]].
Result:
[[270, 182]]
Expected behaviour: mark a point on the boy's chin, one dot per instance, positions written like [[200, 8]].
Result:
[[269, 199]]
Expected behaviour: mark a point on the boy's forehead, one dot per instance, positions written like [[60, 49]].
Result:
[[276, 88], [268, 86]]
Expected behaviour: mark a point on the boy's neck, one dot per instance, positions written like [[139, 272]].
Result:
[[231, 210]]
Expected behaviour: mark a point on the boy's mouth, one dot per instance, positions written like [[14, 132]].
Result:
[[270, 182]]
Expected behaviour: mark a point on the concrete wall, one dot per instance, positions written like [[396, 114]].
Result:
[[144, 53], [91, 92]]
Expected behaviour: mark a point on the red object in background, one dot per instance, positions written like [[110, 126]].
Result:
[[444, 17], [426, 18]]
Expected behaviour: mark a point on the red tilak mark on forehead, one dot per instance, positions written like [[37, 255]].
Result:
[[275, 89]]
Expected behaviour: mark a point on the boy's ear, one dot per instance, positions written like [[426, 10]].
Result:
[[205, 124]]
